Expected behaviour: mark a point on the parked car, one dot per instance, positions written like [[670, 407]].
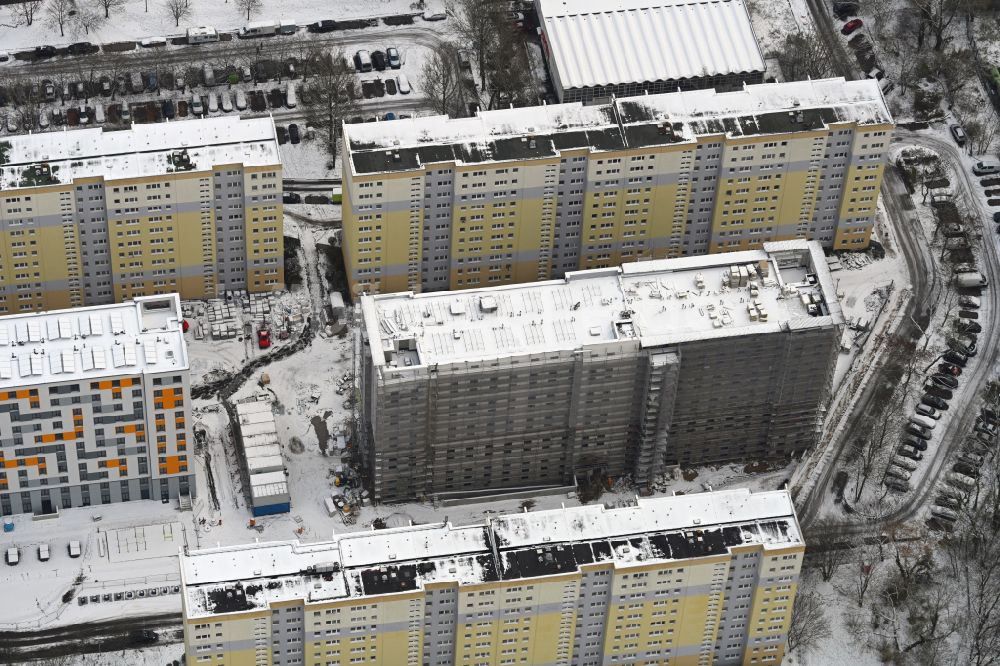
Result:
[[972, 302], [942, 513], [282, 135], [934, 401], [927, 410], [966, 347], [918, 431], [246, 74], [43, 119], [404, 84], [378, 60], [48, 90], [951, 491], [945, 381], [323, 26], [197, 108], [955, 357], [13, 555], [915, 442], [44, 52], [363, 61], [905, 463], [851, 26], [898, 472], [934, 389], [168, 109], [958, 134], [240, 101], [967, 326], [910, 452], [74, 548], [971, 458], [896, 484], [924, 421], [227, 102], [947, 502], [82, 48], [291, 198], [43, 552], [152, 82], [213, 103], [966, 469], [293, 133], [392, 56], [960, 481], [950, 369], [125, 114]]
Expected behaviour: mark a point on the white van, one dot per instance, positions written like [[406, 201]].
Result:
[[241, 100], [74, 548], [363, 61], [213, 103], [291, 100], [13, 556], [986, 166], [258, 29], [924, 421], [43, 552], [202, 35], [99, 116]]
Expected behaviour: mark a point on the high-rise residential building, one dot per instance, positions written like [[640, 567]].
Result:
[[688, 580], [94, 406], [606, 372], [519, 195], [89, 217], [603, 48]]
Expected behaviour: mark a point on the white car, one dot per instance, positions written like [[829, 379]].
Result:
[[241, 100], [43, 552], [43, 119], [227, 102], [213, 103], [197, 108], [403, 84]]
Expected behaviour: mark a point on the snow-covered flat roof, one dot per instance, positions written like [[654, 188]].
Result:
[[135, 337], [661, 302], [597, 43], [523, 545], [143, 150], [631, 122]]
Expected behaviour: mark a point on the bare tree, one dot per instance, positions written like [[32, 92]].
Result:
[[476, 23], [809, 622], [177, 10], [58, 14], [441, 80], [331, 98], [803, 55], [982, 131], [936, 17], [24, 13], [509, 70], [828, 546], [109, 5], [87, 18], [865, 566], [249, 7]]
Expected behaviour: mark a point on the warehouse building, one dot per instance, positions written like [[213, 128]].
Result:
[[608, 372], [519, 195], [89, 217], [695, 579], [85, 396], [599, 49]]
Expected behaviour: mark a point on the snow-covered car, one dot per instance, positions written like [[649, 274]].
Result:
[[197, 108], [905, 463], [944, 514], [43, 119], [927, 410], [241, 100], [960, 481], [896, 484], [403, 84], [227, 102]]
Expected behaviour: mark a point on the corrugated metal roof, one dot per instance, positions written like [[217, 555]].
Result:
[[635, 40]]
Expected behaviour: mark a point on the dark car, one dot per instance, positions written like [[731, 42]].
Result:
[[971, 327], [955, 357], [968, 350], [844, 9], [934, 401], [918, 431], [143, 637], [390, 87], [151, 81], [996, 217], [293, 133], [48, 90], [44, 52], [82, 48], [908, 452], [323, 26], [950, 369], [168, 109], [106, 87], [945, 381], [851, 26], [282, 135], [378, 60], [966, 468], [291, 198], [392, 56], [258, 101], [915, 442]]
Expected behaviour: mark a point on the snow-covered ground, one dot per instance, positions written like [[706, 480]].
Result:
[[156, 655], [149, 18]]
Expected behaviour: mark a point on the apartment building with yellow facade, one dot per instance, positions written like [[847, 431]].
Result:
[[94, 406], [693, 580], [93, 216], [520, 195]]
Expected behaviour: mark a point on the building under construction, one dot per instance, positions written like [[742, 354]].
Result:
[[610, 372]]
